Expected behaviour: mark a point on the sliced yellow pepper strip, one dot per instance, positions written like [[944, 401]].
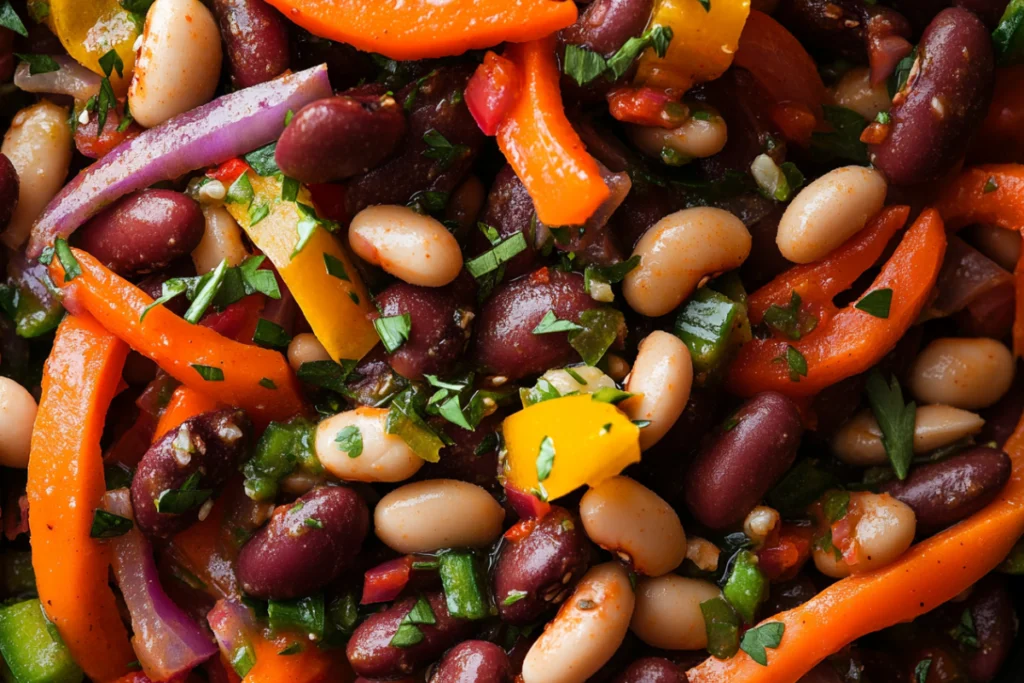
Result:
[[592, 441], [88, 29], [335, 303], [702, 46]]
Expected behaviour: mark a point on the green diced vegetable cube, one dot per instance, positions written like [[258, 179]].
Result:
[[746, 587], [32, 648]]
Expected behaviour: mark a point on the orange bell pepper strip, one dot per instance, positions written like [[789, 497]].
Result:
[[419, 29], [848, 341], [185, 403], [184, 350], [991, 194], [65, 484], [310, 665], [926, 576], [538, 141]]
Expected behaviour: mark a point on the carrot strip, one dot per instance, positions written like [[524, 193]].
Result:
[[311, 665], [65, 484], [256, 379], [418, 29], [929, 574], [538, 141], [185, 403]]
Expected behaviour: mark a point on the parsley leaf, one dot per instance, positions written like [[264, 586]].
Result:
[[108, 525], [965, 633], [181, 500], [209, 373], [38, 64], [843, 142], [67, 259], [393, 330], [442, 151], [513, 597], [788, 320], [991, 185], [545, 458], [550, 324], [796, 362], [240, 191], [111, 62], [876, 303], [895, 419], [262, 160], [10, 19], [610, 395], [599, 328], [326, 374], [204, 297], [350, 440], [921, 670], [765, 636], [335, 267], [583, 65], [612, 274], [409, 633], [270, 335]]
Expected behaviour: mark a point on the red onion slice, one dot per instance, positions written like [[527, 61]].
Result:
[[70, 79]]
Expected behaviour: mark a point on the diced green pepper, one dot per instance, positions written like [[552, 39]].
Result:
[[1008, 38], [32, 647], [19, 581], [35, 317], [746, 588], [304, 615], [463, 589], [282, 448], [342, 617], [712, 326], [723, 627]]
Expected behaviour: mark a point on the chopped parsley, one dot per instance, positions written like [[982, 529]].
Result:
[[795, 361], [584, 66], [393, 330], [409, 633], [757, 639], [335, 268], [350, 440], [108, 525], [788, 320], [270, 335], [921, 670], [10, 19], [545, 458], [612, 274], [38, 64], [876, 303], [964, 633], [72, 269], [262, 160], [990, 185], [895, 420], [181, 500], [209, 373], [513, 597], [550, 324], [442, 151]]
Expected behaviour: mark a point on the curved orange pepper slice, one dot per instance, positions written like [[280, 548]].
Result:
[[928, 575], [256, 379], [418, 29], [991, 194], [538, 141], [185, 403], [65, 484], [848, 341]]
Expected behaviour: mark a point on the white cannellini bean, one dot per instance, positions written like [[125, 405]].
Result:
[[668, 612], [859, 441], [222, 240], [438, 513], [703, 553], [415, 248], [564, 381], [17, 415], [855, 91], [628, 519], [883, 528], [697, 138], [178, 64], [38, 144], [588, 629], [305, 348], [829, 211], [760, 522], [999, 244], [662, 377], [385, 457], [962, 372], [679, 252]]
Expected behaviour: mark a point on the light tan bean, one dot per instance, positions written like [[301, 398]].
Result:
[[178, 65], [412, 247], [618, 367], [384, 458], [222, 240], [855, 91], [829, 211], [679, 252], [633, 522], [668, 612], [562, 380], [662, 376], [965, 373], [17, 415], [999, 244], [859, 441], [305, 348], [588, 629], [38, 144], [438, 513], [697, 138], [883, 528]]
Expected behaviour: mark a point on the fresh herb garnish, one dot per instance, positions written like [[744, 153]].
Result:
[[545, 458], [599, 328], [308, 222], [921, 671], [67, 259], [895, 420], [843, 142], [760, 637], [240, 191], [208, 290], [550, 324], [350, 440], [883, 117], [393, 330], [38, 64], [262, 160], [442, 151], [409, 633], [611, 275], [270, 335], [257, 212], [990, 186], [584, 66], [405, 420], [289, 189], [10, 19], [796, 362], [964, 632], [788, 320], [181, 500], [774, 181], [335, 268], [513, 597], [876, 303], [108, 525], [610, 395], [267, 383], [209, 373], [326, 374]]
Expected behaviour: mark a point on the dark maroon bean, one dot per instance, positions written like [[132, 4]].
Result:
[[822, 673], [144, 231], [947, 491], [9, 187], [370, 651], [995, 625], [542, 567], [943, 101], [339, 137], [255, 40], [474, 661], [305, 545], [375, 380], [438, 333], [435, 103], [6, 54], [509, 210], [989, 11], [920, 12], [652, 670], [153, 284], [1002, 418], [742, 460], [787, 595], [765, 260], [39, 307], [472, 456], [346, 65], [504, 342], [842, 28], [605, 25], [209, 445]]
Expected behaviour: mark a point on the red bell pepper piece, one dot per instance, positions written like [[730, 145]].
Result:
[[386, 581], [492, 91]]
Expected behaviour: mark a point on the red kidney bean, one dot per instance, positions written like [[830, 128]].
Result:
[[304, 547], [346, 65], [742, 460], [210, 444], [652, 670], [255, 40], [152, 285], [542, 567], [822, 673], [6, 54], [505, 344], [787, 595], [371, 654], [375, 380], [944, 100], [920, 12], [945, 492], [435, 103], [605, 25], [472, 456], [1002, 418], [508, 210], [473, 661], [645, 205], [339, 137], [765, 260], [9, 186], [439, 330], [839, 28], [995, 624], [144, 231], [989, 11]]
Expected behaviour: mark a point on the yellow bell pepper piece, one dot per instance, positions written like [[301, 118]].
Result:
[[702, 46], [592, 441], [335, 308], [88, 29]]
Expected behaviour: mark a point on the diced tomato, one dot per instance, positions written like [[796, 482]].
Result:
[[237, 321], [229, 171], [875, 133], [647, 107], [386, 581], [329, 201], [795, 120], [492, 91], [782, 559], [526, 505]]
